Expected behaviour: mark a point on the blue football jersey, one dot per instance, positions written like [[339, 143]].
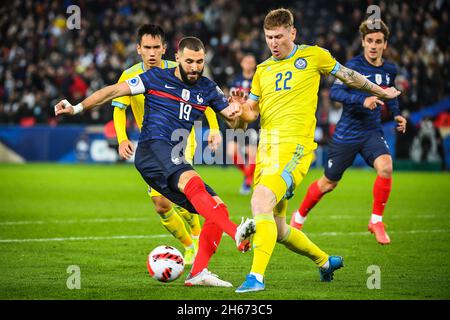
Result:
[[171, 104], [357, 122], [242, 83]]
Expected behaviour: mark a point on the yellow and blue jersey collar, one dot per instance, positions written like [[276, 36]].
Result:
[[294, 50], [164, 65]]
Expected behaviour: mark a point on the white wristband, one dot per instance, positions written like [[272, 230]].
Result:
[[77, 108]]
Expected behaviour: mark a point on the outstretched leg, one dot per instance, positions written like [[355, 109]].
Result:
[[315, 192]]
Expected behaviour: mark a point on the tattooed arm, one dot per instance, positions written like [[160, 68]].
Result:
[[355, 80]]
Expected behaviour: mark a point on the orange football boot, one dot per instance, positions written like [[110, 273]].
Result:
[[380, 234]]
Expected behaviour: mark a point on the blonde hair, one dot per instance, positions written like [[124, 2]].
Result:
[[279, 18], [372, 26]]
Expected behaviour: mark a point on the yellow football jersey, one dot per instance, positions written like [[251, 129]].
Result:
[[287, 93]]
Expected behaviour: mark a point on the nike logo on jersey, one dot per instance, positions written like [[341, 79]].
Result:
[[168, 87]]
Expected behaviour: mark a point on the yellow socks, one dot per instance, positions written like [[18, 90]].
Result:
[[175, 225], [298, 242], [192, 219], [264, 242]]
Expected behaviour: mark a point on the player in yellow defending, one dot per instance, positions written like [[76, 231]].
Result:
[[151, 46], [284, 95]]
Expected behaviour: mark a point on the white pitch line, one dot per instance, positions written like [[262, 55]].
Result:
[[84, 238], [72, 221], [390, 217], [328, 234], [105, 220], [367, 233]]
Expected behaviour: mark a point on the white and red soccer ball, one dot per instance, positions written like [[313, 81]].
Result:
[[165, 263]]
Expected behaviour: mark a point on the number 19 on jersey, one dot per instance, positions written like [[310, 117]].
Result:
[[185, 111]]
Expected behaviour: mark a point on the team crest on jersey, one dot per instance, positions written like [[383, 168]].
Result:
[[134, 81], [330, 163], [378, 79], [185, 94], [300, 63], [199, 98]]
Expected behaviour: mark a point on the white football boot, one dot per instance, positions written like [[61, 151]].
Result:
[[243, 234], [206, 278]]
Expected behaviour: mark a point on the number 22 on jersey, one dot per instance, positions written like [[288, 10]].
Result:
[[281, 82]]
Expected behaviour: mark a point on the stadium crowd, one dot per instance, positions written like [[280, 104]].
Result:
[[41, 60]]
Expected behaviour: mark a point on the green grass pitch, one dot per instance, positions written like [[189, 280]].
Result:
[[99, 218]]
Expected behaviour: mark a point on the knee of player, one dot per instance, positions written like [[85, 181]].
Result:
[[326, 185], [162, 206], [330, 187], [385, 170], [261, 205], [282, 231]]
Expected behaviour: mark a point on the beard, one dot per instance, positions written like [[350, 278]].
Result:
[[184, 75]]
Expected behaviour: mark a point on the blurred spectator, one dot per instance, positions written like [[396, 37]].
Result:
[[42, 61], [426, 144], [442, 120]]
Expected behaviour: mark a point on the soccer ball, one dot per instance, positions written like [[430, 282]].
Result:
[[165, 263]]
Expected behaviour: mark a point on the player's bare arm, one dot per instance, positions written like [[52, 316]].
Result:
[[98, 98], [231, 115], [250, 110], [214, 136], [401, 123], [126, 149], [214, 139], [355, 80]]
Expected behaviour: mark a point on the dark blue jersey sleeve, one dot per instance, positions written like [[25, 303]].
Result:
[[148, 77], [393, 104], [217, 100]]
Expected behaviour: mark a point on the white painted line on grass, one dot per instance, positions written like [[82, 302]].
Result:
[[327, 234], [85, 238], [390, 217], [106, 220], [368, 233], [72, 221]]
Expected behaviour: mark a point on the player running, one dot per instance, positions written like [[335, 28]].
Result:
[[359, 130], [174, 99], [284, 95], [151, 46]]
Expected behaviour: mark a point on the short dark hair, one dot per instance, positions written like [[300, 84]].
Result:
[[151, 29], [191, 43]]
